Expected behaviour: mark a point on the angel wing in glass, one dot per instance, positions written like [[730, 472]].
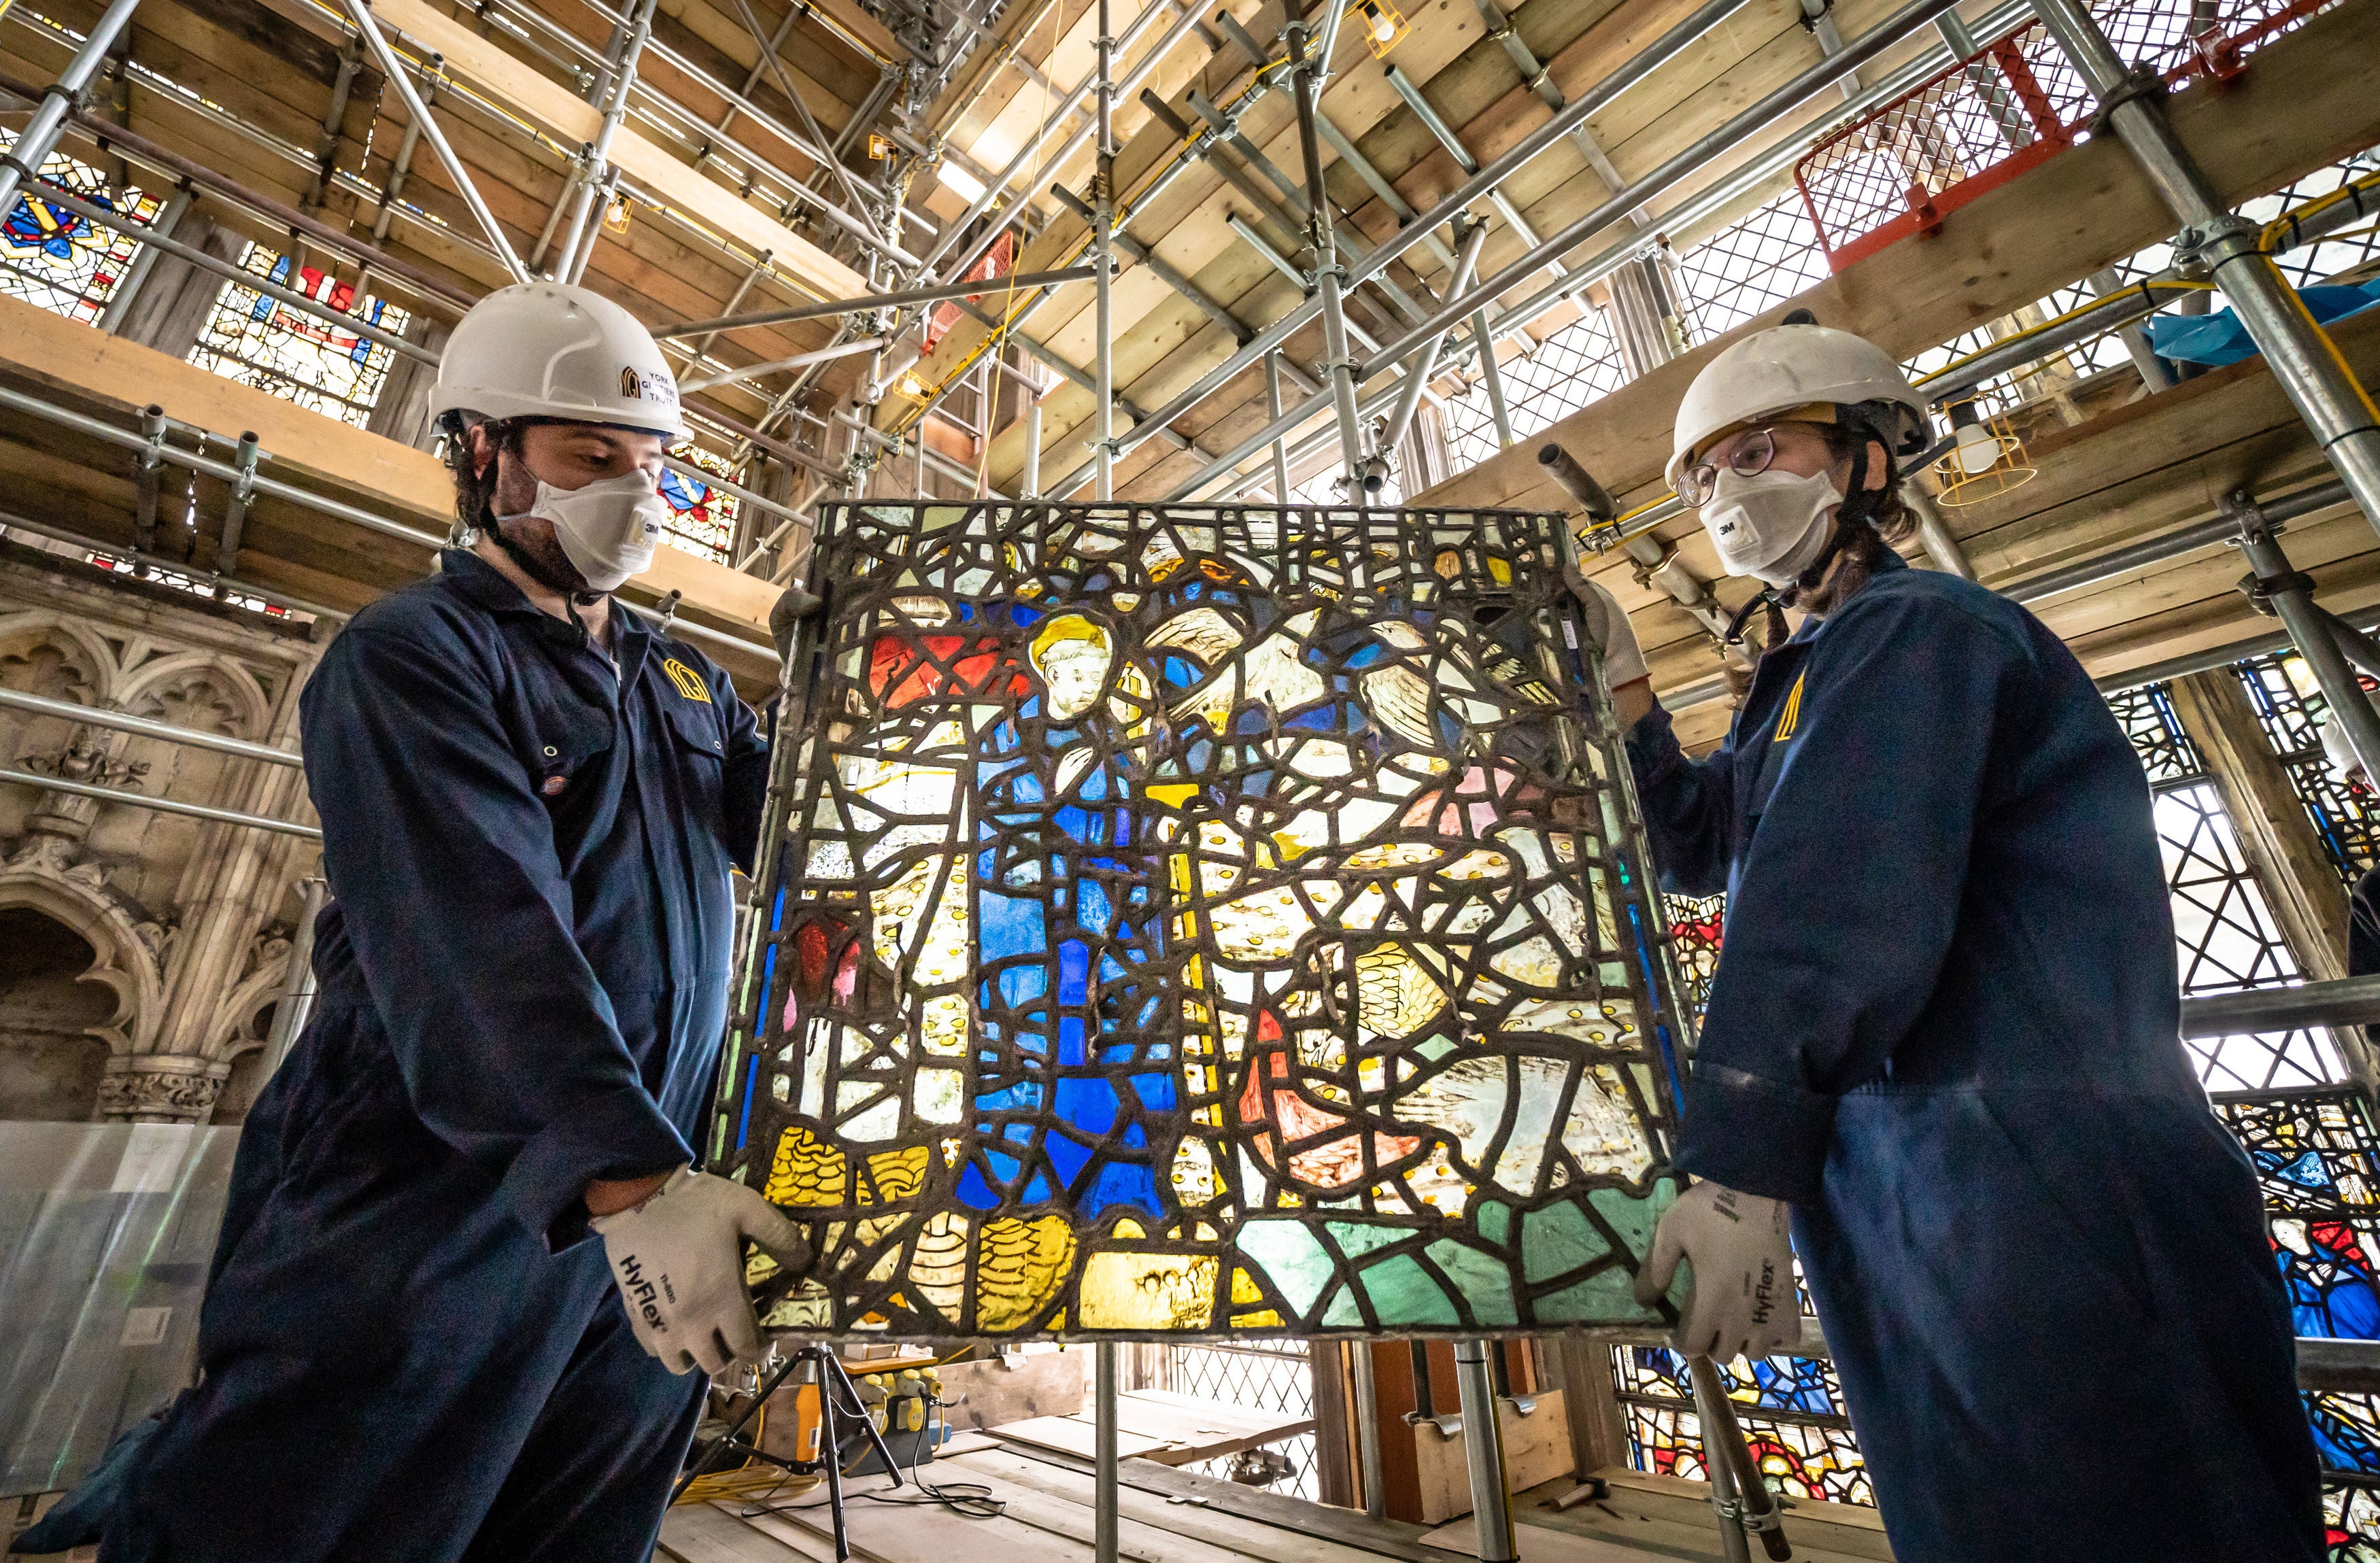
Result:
[[1186, 921]]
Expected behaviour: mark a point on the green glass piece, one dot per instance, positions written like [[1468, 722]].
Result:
[[1557, 1239], [1494, 1220], [1356, 1238], [1400, 1289], [1288, 1255], [1434, 1048], [1608, 1294], [1632, 1217], [1483, 1280]]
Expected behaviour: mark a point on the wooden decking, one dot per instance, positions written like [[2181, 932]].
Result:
[[1168, 1516]]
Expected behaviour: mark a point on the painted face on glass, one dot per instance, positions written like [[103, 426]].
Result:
[[1072, 656]]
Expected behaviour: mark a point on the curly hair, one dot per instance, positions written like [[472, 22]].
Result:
[[475, 492]]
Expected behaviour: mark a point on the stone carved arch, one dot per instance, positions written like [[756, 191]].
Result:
[[202, 690], [48, 654], [126, 964], [229, 1032]]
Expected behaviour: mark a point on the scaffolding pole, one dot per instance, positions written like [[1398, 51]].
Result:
[[2316, 380], [24, 155]]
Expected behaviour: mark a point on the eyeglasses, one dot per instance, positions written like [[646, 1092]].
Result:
[[1751, 457]]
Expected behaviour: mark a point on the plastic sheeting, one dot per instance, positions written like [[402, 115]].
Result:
[[105, 1234]]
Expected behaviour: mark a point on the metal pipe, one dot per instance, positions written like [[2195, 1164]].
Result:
[[1280, 447], [873, 302], [13, 522], [1484, 337], [1431, 121], [2290, 593], [1726, 1497], [234, 521], [1103, 1449], [1132, 80], [296, 1001], [2341, 1001], [1494, 171], [1483, 1450], [1752, 120], [1934, 533], [1029, 485], [161, 806], [1340, 364], [1724, 1450], [577, 230], [815, 355], [145, 727], [1103, 451], [2154, 370], [1367, 1421], [1417, 373], [359, 11], [33, 144], [2304, 359], [150, 480]]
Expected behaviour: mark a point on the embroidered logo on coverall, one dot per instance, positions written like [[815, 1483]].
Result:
[[689, 682], [1785, 725]]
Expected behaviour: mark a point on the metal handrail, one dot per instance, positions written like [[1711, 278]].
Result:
[[2353, 1000], [125, 721], [163, 806]]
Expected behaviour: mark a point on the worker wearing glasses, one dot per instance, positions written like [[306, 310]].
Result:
[[1942, 1042]]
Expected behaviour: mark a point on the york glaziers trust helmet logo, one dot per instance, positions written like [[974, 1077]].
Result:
[[652, 386]]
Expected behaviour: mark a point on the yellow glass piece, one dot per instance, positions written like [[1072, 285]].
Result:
[[1152, 1292], [808, 1307], [1128, 1228], [805, 1170], [897, 1174], [1172, 795], [939, 1271], [1244, 1288], [1269, 1319], [1020, 1267]]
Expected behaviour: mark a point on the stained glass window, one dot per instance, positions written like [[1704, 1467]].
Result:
[[1578, 364], [702, 518], [2319, 1165], [298, 357], [2290, 707], [1273, 1375], [2228, 938], [1791, 1410], [1750, 268], [1694, 926], [61, 260], [1185, 928]]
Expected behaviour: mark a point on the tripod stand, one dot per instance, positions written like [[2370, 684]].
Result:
[[838, 1400]]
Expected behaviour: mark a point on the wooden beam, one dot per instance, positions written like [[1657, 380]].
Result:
[[515, 83], [2306, 100], [362, 468]]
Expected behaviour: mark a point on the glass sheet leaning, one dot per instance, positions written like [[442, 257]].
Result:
[[1192, 920]]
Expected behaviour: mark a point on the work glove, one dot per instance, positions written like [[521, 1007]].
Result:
[[678, 1259], [1743, 1303], [1614, 636], [792, 605]]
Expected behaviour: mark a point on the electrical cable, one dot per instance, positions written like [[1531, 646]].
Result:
[[969, 1500]]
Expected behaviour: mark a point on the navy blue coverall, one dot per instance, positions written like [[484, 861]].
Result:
[[413, 1350], [1945, 1026]]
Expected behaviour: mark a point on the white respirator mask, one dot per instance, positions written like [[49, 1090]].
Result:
[[607, 530], [1771, 525]]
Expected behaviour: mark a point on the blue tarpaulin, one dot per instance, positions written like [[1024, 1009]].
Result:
[[2219, 338]]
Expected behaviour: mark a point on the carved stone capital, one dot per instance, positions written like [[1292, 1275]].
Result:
[[160, 1088]]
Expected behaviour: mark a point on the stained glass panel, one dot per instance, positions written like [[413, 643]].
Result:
[[60, 259], [1802, 1459], [702, 518], [1694, 926], [298, 357], [1189, 929], [2319, 1165], [2290, 707], [2350, 1517]]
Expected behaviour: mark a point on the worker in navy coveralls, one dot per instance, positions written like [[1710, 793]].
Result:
[[530, 799], [1942, 1042]]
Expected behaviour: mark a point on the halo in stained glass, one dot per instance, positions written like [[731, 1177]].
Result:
[[1186, 921]]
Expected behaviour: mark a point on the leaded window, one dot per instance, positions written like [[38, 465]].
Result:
[[294, 355], [1751, 267], [60, 259], [1791, 1408], [702, 518], [2345, 814], [1576, 365]]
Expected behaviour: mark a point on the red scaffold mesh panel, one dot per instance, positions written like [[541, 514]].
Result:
[[2014, 103]]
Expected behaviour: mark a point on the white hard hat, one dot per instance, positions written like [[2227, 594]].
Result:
[[1789, 368], [546, 349]]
